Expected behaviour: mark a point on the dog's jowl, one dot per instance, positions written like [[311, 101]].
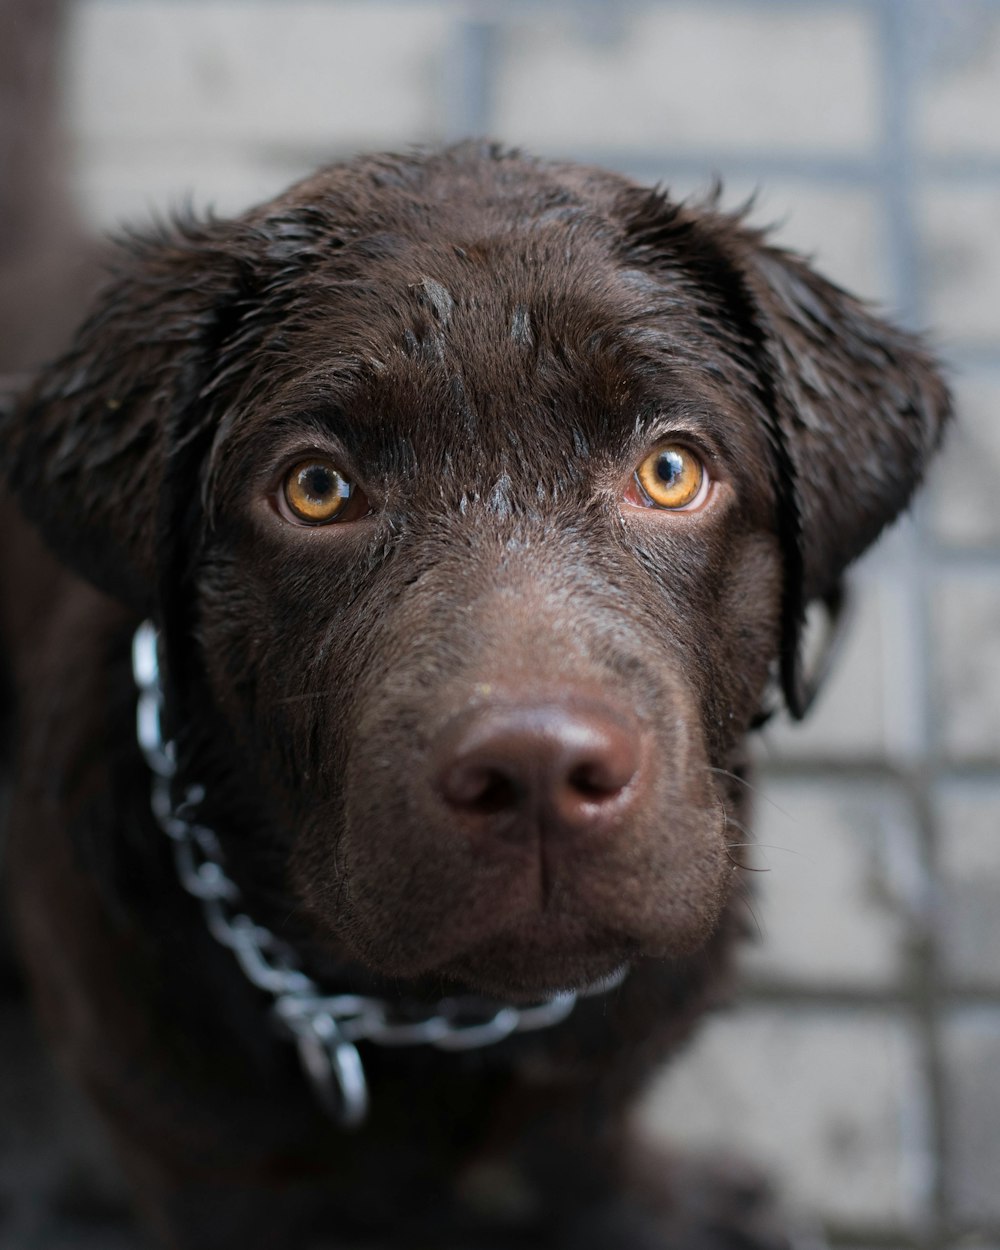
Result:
[[450, 520]]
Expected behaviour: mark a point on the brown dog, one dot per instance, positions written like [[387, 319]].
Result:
[[476, 501]]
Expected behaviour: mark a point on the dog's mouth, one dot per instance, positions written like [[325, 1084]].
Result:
[[491, 929], [530, 842], [541, 952], [535, 964]]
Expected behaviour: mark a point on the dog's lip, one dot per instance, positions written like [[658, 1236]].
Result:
[[538, 960], [506, 973]]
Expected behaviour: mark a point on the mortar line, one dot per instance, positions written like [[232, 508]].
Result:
[[899, 68], [470, 98]]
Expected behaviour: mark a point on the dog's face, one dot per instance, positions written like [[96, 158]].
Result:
[[491, 494], [491, 680]]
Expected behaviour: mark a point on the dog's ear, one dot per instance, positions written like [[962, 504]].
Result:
[[853, 406], [858, 407], [87, 449]]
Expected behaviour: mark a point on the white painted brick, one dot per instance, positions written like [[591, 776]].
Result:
[[972, 1058], [864, 710], [112, 189], [960, 234], [969, 887], [839, 229], [828, 1103], [957, 108], [320, 72], [684, 76], [964, 485], [966, 616], [840, 887]]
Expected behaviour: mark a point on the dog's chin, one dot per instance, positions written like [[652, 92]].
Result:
[[515, 973], [530, 954], [535, 961]]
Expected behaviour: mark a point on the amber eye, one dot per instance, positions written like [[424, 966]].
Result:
[[316, 492], [672, 477]]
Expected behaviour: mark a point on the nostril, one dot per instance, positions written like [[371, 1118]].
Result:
[[595, 780], [483, 790]]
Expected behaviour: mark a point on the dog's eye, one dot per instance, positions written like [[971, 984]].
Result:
[[315, 492], [670, 477]]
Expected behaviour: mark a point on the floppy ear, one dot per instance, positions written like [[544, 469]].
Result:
[[88, 448], [858, 407], [853, 407]]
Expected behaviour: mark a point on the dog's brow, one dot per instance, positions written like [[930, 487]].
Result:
[[697, 416]]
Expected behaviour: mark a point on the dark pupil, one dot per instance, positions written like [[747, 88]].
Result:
[[318, 483], [669, 467]]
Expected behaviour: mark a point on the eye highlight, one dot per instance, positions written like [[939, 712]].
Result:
[[671, 477], [315, 492]]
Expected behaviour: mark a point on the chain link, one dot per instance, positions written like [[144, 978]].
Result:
[[325, 1027]]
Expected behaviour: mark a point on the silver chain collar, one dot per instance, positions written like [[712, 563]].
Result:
[[325, 1027]]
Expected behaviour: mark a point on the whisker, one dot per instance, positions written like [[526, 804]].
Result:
[[745, 896], [745, 867], [756, 791], [726, 772], [733, 823], [768, 846]]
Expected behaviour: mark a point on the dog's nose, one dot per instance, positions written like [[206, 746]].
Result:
[[562, 767]]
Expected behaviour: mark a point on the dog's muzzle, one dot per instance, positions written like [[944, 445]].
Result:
[[326, 1027]]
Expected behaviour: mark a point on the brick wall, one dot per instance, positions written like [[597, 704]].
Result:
[[861, 1062]]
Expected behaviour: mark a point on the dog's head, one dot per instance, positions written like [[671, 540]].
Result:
[[478, 500]]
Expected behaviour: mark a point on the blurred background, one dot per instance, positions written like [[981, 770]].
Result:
[[860, 1062]]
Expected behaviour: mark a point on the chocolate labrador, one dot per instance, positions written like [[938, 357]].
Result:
[[450, 520]]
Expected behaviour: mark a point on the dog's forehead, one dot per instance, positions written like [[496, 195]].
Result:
[[485, 329], [504, 327]]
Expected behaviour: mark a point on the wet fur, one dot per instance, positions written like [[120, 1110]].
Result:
[[489, 345]]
